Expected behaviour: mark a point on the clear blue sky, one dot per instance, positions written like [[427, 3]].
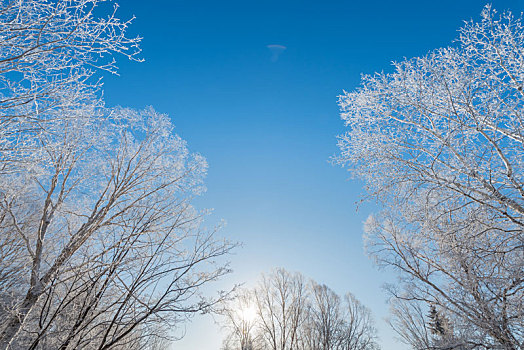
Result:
[[268, 127]]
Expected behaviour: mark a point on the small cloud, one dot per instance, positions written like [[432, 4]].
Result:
[[275, 50]]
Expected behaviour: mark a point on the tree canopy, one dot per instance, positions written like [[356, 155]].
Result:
[[439, 143], [100, 246]]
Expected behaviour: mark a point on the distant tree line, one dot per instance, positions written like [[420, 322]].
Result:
[[286, 312]]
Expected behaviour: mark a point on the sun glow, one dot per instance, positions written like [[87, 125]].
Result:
[[247, 314]]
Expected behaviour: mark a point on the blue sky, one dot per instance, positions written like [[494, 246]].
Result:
[[268, 126]]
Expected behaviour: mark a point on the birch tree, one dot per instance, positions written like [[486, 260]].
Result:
[[107, 243], [50, 53], [100, 246], [439, 145]]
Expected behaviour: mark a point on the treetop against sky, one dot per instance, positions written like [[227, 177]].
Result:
[[252, 87]]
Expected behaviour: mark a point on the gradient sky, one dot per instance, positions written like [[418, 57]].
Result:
[[266, 119]]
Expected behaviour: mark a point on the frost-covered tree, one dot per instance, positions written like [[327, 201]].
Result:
[[50, 51], [409, 320], [439, 143], [429, 327], [107, 242], [100, 247]]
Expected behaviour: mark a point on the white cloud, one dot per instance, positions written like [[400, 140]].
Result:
[[275, 50]]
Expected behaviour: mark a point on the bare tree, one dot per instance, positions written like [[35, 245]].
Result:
[[293, 315], [241, 322], [108, 243], [100, 247], [323, 323], [439, 144], [280, 299], [357, 330], [408, 319], [430, 327]]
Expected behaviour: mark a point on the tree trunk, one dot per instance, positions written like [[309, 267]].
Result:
[[15, 321]]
